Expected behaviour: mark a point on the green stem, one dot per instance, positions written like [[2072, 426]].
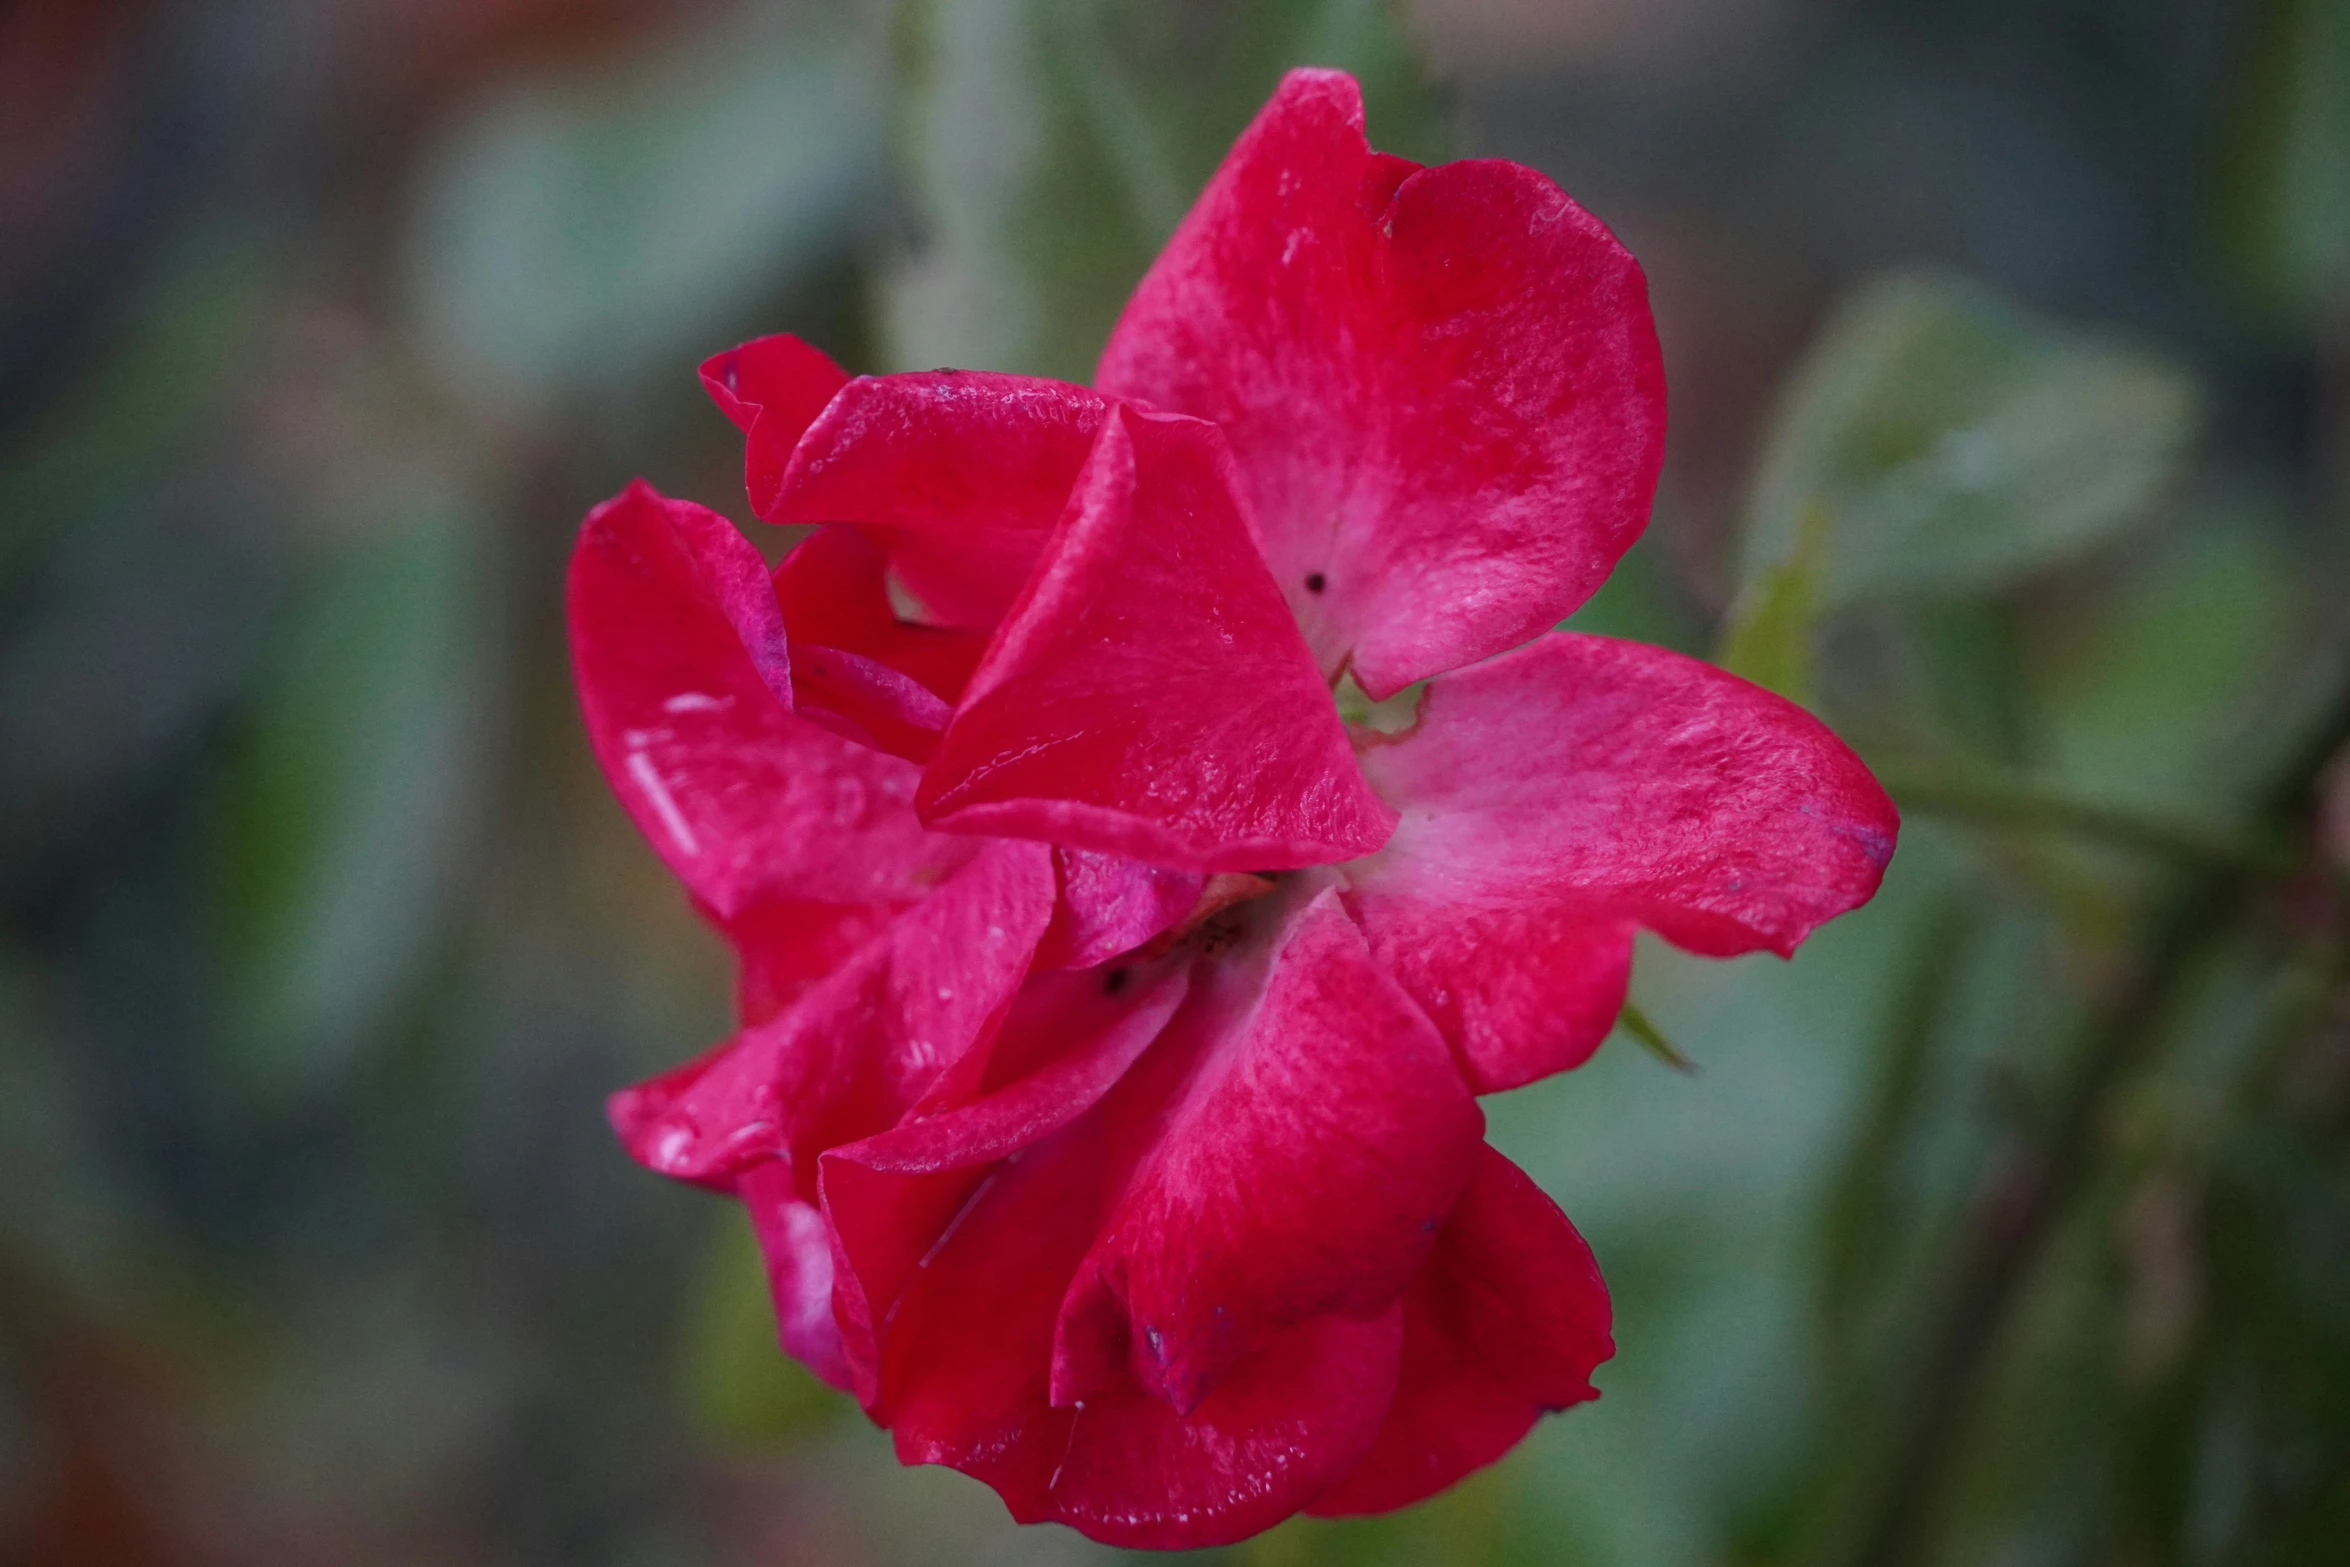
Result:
[[2033, 1183]]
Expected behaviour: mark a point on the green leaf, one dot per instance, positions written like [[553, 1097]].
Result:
[[1961, 444], [339, 820], [1048, 148], [1768, 636], [2285, 210]]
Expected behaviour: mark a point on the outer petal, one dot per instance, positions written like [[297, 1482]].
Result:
[[1505, 1323], [964, 1382], [1298, 1136], [684, 680], [1557, 793], [960, 474], [1442, 387], [1149, 695], [771, 387], [861, 1048], [798, 1254]]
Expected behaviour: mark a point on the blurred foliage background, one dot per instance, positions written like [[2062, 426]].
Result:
[[2009, 344]]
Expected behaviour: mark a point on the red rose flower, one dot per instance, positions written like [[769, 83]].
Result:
[[1113, 1010]]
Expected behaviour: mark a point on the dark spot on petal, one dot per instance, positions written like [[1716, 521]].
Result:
[[1316, 582], [1114, 981]]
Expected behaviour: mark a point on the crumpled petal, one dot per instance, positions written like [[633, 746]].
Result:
[[772, 388], [861, 1047], [1149, 695], [959, 474], [964, 1381], [855, 667], [684, 680], [1505, 1323], [891, 1198], [1111, 904], [1554, 794], [1296, 1139], [1442, 386]]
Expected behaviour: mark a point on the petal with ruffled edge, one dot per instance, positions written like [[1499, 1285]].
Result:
[[772, 388], [965, 1381], [1296, 1139], [1505, 1323], [1559, 793], [1442, 386], [1149, 695], [684, 680], [861, 1047]]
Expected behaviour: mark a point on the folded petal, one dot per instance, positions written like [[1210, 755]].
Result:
[[1296, 1138], [856, 1051], [772, 388], [1556, 795], [965, 1382], [1149, 695], [1505, 1323], [960, 475], [1442, 386], [685, 680]]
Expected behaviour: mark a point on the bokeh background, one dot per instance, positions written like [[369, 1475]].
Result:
[[2009, 345]]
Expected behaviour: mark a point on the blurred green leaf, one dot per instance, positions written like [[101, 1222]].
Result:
[[1961, 444], [740, 1383], [339, 821], [129, 411], [2286, 193], [1768, 639], [1050, 146], [588, 234]]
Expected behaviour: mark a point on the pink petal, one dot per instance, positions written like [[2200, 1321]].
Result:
[[1442, 387], [1505, 1323], [1554, 795], [1297, 1138], [835, 594], [798, 1254], [684, 679], [772, 388], [1149, 695], [964, 1382], [1111, 904], [860, 1048], [856, 668], [892, 1197], [959, 474]]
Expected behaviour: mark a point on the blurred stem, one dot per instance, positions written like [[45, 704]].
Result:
[[2006, 801], [2035, 1179]]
